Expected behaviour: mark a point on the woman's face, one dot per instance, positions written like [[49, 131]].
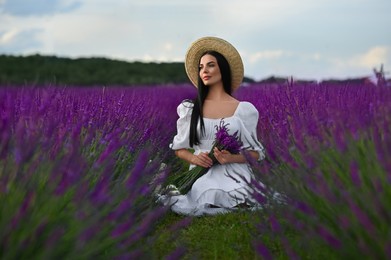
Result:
[[209, 70]]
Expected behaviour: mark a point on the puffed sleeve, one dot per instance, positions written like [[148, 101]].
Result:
[[181, 139], [249, 116]]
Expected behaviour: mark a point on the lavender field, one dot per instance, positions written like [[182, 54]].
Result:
[[76, 166]]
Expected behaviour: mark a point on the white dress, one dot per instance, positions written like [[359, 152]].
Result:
[[224, 186]]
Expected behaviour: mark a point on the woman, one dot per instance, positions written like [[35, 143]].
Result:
[[215, 67]]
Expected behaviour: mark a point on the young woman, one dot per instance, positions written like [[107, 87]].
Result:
[[215, 67]]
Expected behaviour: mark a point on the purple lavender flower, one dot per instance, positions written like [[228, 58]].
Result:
[[263, 251], [225, 141], [329, 237], [275, 226], [355, 174]]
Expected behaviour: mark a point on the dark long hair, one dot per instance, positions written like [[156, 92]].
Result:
[[197, 114]]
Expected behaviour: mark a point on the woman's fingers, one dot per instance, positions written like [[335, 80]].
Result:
[[221, 156], [204, 160], [217, 155], [207, 159]]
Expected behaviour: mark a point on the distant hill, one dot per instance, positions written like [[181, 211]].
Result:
[[38, 69]]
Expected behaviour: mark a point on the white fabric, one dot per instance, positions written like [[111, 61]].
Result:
[[224, 186]]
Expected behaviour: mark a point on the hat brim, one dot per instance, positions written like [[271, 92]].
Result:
[[202, 45]]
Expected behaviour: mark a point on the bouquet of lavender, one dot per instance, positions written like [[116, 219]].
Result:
[[223, 141]]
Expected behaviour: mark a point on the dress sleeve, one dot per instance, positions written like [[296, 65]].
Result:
[[249, 116], [181, 139]]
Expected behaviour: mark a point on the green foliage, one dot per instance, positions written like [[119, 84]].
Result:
[[52, 70], [226, 236]]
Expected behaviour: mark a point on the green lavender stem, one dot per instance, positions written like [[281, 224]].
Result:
[[185, 181]]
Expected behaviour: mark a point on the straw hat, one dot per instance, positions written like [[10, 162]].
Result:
[[202, 45]]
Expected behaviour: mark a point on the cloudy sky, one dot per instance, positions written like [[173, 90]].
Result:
[[305, 39]]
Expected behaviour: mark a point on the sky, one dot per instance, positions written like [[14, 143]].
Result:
[[303, 39]]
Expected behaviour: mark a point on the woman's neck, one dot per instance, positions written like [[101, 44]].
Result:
[[217, 93]]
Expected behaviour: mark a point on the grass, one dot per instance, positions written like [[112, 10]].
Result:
[[227, 236]]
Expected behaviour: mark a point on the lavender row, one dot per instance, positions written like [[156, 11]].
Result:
[[75, 169]]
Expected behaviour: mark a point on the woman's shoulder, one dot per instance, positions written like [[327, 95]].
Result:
[[247, 112], [185, 107], [187, 103], [247, 108]]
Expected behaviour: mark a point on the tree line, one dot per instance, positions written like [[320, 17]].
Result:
[[38, 69], [41, 70], [52, 70]]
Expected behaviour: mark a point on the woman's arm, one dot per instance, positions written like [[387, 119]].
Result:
[[201, 159], [224, 157]]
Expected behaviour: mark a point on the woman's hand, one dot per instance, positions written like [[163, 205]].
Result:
[[223, 156], [202, 160]]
